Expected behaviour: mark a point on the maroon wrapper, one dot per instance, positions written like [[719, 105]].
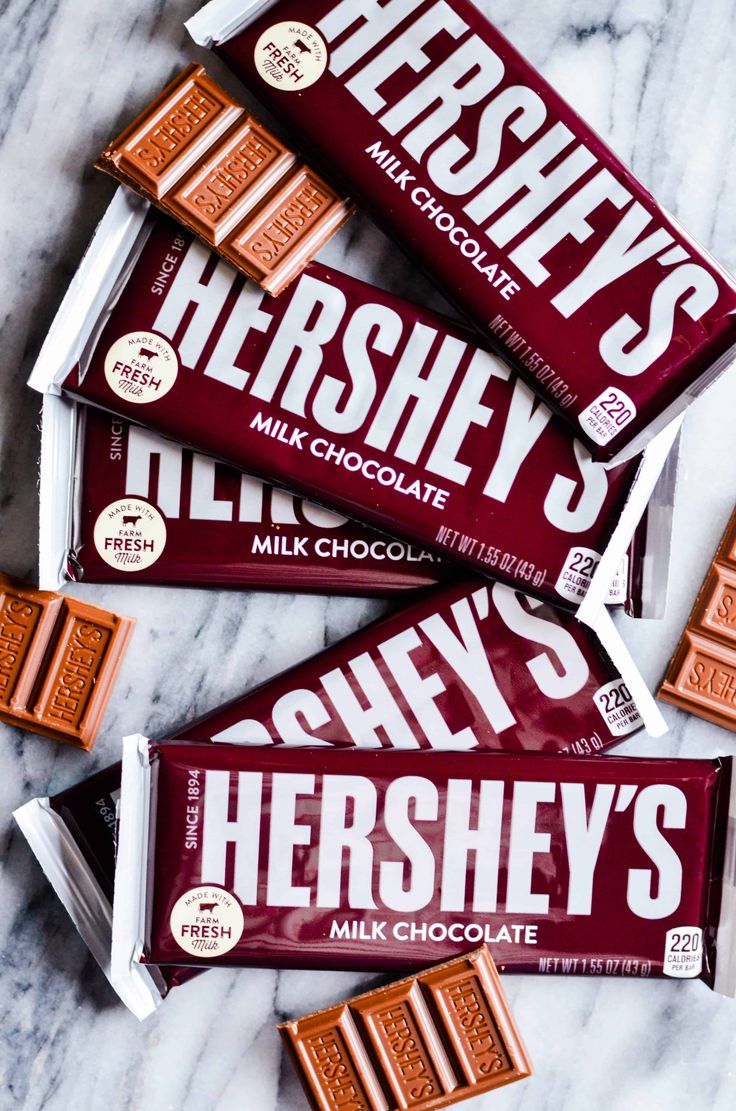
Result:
[[465, 667], [72, 835], [389, 860], [351, 397], [222, 527], [511, 203]]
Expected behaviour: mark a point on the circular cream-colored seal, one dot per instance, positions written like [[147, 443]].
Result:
[[141, 367], [291, 56], [130, 534], [207, 921]]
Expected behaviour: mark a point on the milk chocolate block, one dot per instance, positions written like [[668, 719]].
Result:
[[701, 677], [58, 661], [428, 1041], [198, 155]]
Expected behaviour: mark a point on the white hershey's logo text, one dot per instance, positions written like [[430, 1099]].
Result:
[[553, 176], [428, 368], [463, 651], [476, 819]]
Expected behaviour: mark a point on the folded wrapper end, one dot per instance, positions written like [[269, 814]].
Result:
[[652, 463], [219, 20], [56, 489], [651, 551], [89, 290], [602, 625], [131, 980], [69, 874]]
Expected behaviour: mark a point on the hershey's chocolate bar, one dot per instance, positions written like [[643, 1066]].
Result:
[[466, 666], [59, 658], [513, 205], [243, 856], [436, 1038], [347, 395], [197, 154]]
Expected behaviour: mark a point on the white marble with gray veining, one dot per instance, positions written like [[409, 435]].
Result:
[[658, 78]]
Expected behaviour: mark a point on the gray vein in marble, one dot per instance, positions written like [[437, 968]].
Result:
[[658, 80]]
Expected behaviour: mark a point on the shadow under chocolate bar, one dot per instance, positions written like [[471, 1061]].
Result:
[[199, 156], [59, 658], [430, 1040]]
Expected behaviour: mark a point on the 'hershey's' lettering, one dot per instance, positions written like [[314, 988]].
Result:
[[257, 503], [547, 173], [508, 822], [426, 402], [359, 697]]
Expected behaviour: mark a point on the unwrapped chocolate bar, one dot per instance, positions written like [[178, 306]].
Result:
[[125, 505], [197, 154], [244, 856], [701, 677], [430, 1041], [523, 217], [59, 658]]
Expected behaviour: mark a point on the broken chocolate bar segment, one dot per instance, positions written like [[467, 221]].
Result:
[[58, 661], [509, 201], [199, 156], [279, 234], [701, 677], [213, 198], [430, 1041]]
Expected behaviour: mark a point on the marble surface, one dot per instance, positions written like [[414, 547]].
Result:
[[658, 78]]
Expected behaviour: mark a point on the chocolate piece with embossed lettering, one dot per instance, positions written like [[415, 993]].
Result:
[[198, 155], [429, 1041], [473, 164], [58, 661], [701, 677]]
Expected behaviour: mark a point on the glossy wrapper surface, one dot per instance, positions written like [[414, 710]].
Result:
[[512, 204], [220, 527], [466, 666], [355, 398], [381, 860], [88, 811]]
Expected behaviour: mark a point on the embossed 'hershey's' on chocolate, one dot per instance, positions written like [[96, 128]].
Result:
[[198, 155], [58, 661], [701, 677], [430, 1040]]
